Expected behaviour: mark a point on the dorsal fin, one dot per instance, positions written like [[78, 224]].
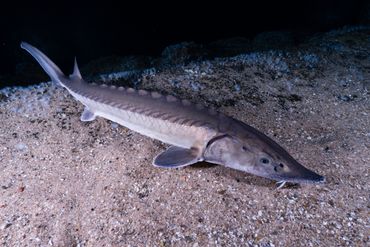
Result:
[[76, 72]]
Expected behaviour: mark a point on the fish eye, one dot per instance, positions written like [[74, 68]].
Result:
[[264, 160], [244, 148], [281, 165]]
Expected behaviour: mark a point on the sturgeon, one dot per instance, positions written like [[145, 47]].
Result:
[[194, 132]]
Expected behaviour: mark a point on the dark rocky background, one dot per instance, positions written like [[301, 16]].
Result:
[[96, 29]]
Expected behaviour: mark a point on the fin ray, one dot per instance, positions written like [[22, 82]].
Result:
[[87, 115], [175, 157], [76, 71]]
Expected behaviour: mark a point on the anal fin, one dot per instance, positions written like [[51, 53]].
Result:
[[175, 157], [87, 115]]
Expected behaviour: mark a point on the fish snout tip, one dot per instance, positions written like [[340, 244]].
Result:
[[306, 177], [314, 178], [321, 179]]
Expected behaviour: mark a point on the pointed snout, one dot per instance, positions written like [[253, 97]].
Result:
[[300, 174], [309, 176]]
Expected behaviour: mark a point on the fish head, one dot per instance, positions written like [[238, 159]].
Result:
[[258, 155]]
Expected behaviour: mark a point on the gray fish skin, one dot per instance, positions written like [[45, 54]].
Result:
[[195, 133]]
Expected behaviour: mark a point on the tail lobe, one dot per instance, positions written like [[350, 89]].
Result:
[[50, 68]]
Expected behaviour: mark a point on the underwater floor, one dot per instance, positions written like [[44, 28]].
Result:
[[64, 182]]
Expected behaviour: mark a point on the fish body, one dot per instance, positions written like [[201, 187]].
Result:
[[194, 132]]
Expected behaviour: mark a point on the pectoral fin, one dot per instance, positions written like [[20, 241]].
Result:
[[87, 115], [175, 157]]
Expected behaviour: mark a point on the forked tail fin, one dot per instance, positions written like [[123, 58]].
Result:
[[50, 68]]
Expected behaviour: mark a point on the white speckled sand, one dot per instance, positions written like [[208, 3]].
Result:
[[64, 182]]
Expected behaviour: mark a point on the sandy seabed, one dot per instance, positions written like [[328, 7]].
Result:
[[64, 182]]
